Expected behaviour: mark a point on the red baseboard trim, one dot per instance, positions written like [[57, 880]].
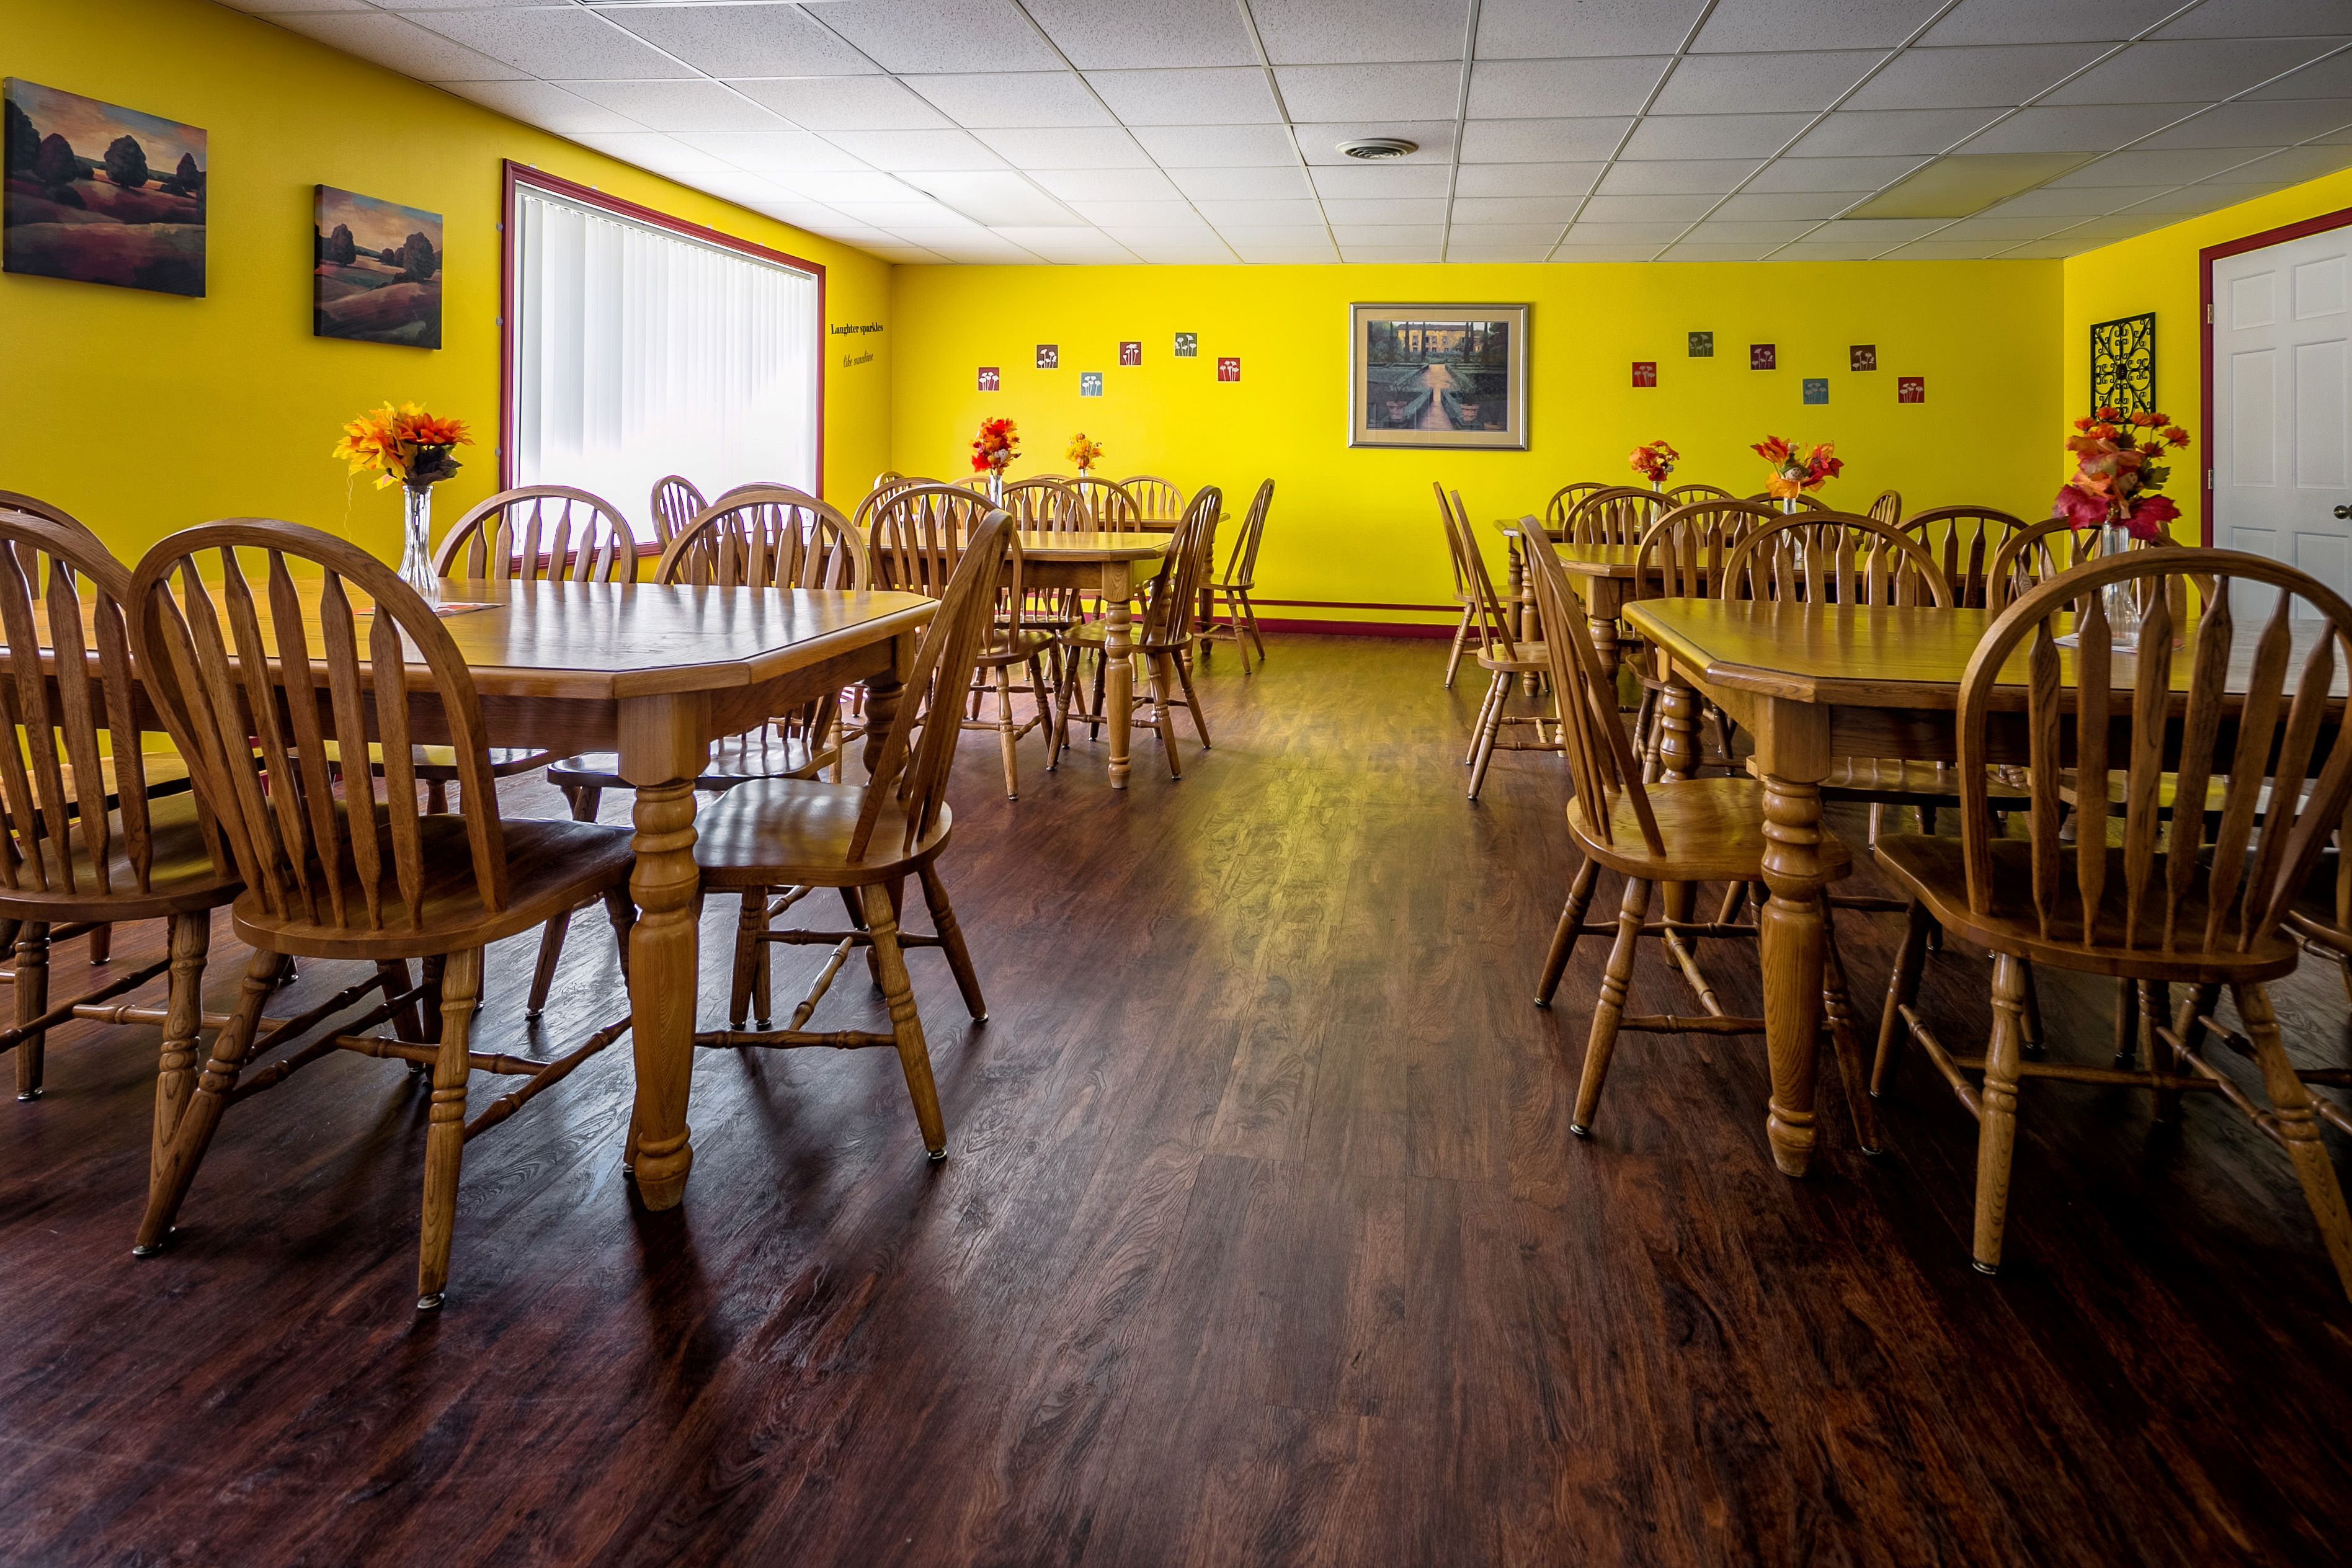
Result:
[[1358, 628]]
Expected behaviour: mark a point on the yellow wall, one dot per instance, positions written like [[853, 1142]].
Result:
[[143, 412], [2160, 272], [1358, 526]]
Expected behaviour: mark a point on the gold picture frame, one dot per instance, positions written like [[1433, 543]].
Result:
[[1445, 378]]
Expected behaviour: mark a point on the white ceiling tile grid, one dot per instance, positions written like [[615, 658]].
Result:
[[1190, 131]]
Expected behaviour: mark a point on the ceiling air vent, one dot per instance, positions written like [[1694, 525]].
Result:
[[1372, 149]]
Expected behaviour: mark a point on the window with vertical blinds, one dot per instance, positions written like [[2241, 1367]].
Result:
[[639, 352]]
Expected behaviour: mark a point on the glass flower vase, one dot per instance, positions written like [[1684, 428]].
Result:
[[996, 487], [2121, 601], [417, 543]]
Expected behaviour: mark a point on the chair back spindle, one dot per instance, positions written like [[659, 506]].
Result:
[[1565, 499], [541, 532], [1964, 541], [675, 503], [1834, 558], [1618, 515], [1155, 499], [1682, 555], [1600, 760], [1241, 567], [766, 537]]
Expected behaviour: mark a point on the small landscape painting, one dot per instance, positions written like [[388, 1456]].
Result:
[[99, 193], [376, 271]]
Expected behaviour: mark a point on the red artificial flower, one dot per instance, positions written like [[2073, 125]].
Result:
[[2177, 436], [2079, 507], [2149, 515]]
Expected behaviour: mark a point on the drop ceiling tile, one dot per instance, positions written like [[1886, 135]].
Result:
[[2048, 21], [845, 103], [403, 45], [1852, 132], [568, 44], [681, 105], [2075, 202], [1261, 214], [1751, 84], [290, 7], [1743, 231], [1459, 234], [1546, 30], [1536, 90], [2233, 192], [2185, 201], [1098, 35], [662, 155], [1554, 210], [1713, 135], [1879, 230], [1324, 254], [941, 35], [2182, 71], [1478, 251], [1766, 205], [897, 217], [978, 246], [996, 197], [1368, 179], [2077, 128], [1951, 250], [905, 255], [1832, 174], [2135, 167], [1242, 185], [1139, 215], [1991, 77], [1390, 254], [1355, 234], [1418, 91], [2330, 78], [1715, 177], [1399, 209], [1221, 96], [1813, 25], [831, 187], [737, 187], [1652, 234], [902, 149], [2269, 123], [2008, 229], [1842, 250], [1079, 147], [2046, 250], [2106, 230], [1013, 101], [1541, 141], [1069, 244], [1264, 236], [2258, 19], [1319, 142], [543, 104], [1750, 250], [766, 152], [792, 210], [742, 41], [2297, 163], [1682, 209], [1172, 244], [1604, 252], [1526, 179], [1217, 146], [1107, 185], [1316, 32]]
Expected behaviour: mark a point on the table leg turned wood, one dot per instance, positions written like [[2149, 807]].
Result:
[[883, 689], [1118, 677], [1792, 752], [663, 741], [1678, 758]]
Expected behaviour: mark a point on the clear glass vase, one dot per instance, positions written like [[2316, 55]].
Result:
[[995, 486], [416, 542], [2121, 601]]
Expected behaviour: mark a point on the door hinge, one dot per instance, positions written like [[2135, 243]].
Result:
[[2208, 313], [2209, 479]]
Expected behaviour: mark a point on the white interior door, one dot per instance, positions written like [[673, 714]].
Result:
[[2281, 448]]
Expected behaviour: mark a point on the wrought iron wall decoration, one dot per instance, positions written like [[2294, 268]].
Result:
[[2123, 364]]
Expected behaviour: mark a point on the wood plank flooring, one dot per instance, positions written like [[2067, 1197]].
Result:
[[1263, 1240]]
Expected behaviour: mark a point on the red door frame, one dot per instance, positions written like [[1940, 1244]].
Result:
[[518, 175], [2340, 218]]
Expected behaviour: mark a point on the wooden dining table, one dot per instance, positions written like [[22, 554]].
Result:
[[1105, 564], [1813, 684], [655, 674]]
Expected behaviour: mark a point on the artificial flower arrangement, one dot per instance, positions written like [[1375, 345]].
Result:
[[1795, 472], [1086, 452], [2117, 475], [403, 447], [1655, 461], [998, 444]]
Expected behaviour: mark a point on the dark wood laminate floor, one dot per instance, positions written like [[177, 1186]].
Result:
[[1262, 1241]]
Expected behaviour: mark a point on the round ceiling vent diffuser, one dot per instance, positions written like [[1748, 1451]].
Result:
[[1375, 148]]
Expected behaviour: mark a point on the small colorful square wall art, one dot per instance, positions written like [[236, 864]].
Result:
[[1763, 357], [989, 380], [1911, 389], [1130, 353], [1090, 383], [1863, 356], [1188, 345], [99, 193], [1049, 356], [1702, 345], [1229, 369], [1645, 373], [375, 271], [1817, 390]]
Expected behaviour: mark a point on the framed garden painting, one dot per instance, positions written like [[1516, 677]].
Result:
[[375, 270], [100, 193], [1438, 376]]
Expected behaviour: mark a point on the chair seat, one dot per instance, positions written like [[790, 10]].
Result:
[[1896, 781], [181, 875], [733, 760], [554, 865], [772, 833], [441, 762], [1934, 871], [1008, 647], [1091, 635], [1534, 658], [1712, 830]]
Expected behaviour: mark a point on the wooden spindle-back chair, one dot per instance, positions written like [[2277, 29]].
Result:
[[766, 536], [1885, 507], [1682, 495], [1834, 558], [1805, 501], [1047, 506], [866, 839], [676, 502], [1239, 617], [1965, 541], [1690, 831], [540, 531], [1165, 634], [1501, 652], [1114, 508], [334, 873], [2134, 891], [1620, 514], [86, 837], [888, 485], [1155, 499], [1682, 556], [1565, 499]]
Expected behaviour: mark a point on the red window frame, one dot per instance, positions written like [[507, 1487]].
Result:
[[519, 175]]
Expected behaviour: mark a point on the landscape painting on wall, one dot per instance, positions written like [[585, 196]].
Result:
[[99, 193], [1438, 375], [376, 271]]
